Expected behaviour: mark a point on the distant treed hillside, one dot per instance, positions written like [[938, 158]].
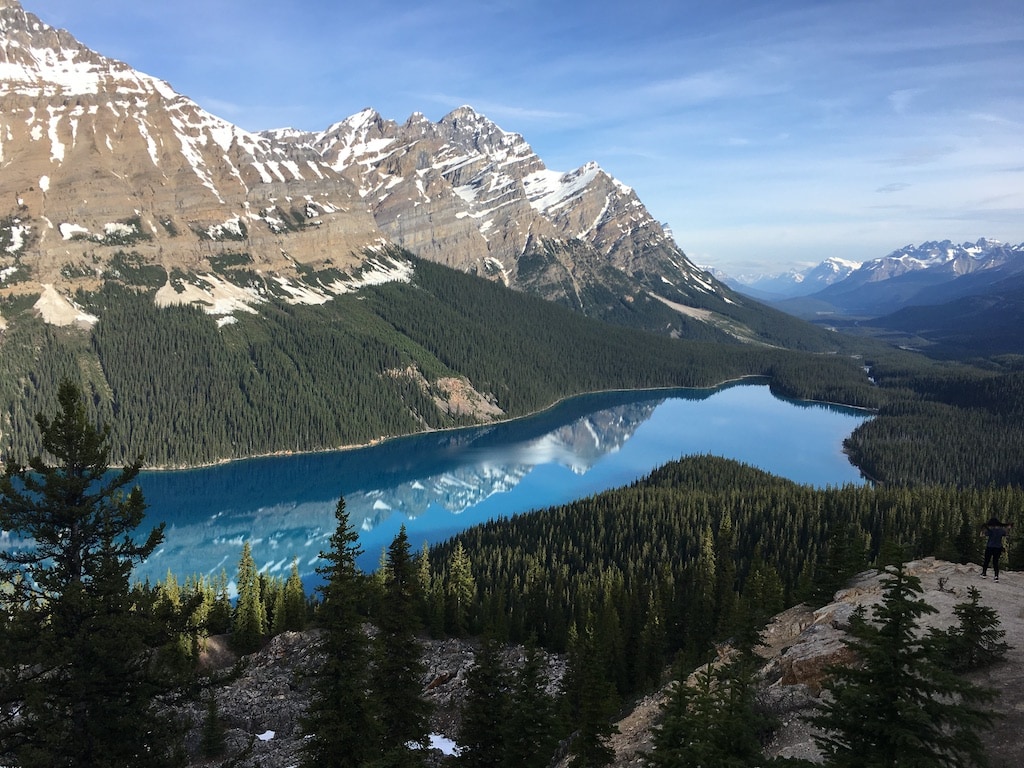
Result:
[[697, 551], [179, 390], [948, 424]]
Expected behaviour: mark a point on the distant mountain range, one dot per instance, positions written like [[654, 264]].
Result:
[[953, 300], [930, 273], [774, 287]]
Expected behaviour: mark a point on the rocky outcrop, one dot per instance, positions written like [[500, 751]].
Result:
[[266, 692], [801, 643], [261, 697]]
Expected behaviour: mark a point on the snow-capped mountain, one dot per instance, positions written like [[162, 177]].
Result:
[[930, 273], [110, 172], [470, 195], [939, 258], [98, 158], [794, 282]]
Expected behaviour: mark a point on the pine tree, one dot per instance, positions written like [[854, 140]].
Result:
[[726, 603], [250, 620], [291, 615], [592, 701], [976, 640], [900, 706], [211, 741], [487, 707], [76, 665], [700, 609], [845, 555], [713, 721], [398, 669], [460, 591], [532, 725], [433, 595], [762, 598], [338, 725], [218, 621]]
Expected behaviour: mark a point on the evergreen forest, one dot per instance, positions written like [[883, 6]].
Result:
[[180, 389], [633, 587]]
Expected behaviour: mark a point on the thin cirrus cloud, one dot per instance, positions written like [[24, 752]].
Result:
[[763, 132], [896, 186]]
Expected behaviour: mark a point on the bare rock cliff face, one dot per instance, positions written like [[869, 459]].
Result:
[[98, 157], [469, 195]]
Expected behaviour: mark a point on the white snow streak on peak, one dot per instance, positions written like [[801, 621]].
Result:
[[547, 190], [40, 62], [361, 119], [70, 72], [353, 140]]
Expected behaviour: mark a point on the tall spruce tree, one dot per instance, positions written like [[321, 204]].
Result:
[[292, 615], [250, 620], [338, 725], [398, 670], [532, 726], [592, 702], [900, 705], [460, 590], [487, 707], [713, 720], [76, 667]]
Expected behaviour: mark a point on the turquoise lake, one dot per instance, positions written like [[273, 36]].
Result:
[[439, 483]]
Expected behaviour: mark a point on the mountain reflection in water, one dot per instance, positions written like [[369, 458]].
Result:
[[439, 483]]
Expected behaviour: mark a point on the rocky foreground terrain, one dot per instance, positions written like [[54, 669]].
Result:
[[260, 701]]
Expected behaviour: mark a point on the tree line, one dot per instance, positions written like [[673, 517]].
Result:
[[180, 389]]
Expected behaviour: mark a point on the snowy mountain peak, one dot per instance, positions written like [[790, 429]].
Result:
[[37, 58], [287, 204], [938, 256], [99, 157]]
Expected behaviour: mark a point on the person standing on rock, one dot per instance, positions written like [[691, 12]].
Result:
[[995, 532]]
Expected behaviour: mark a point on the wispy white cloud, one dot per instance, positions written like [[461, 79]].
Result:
[[896, 186], [901, 99]]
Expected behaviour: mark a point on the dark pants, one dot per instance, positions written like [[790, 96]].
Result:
[[992, 556]]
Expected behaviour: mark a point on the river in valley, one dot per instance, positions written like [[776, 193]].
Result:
[[439, 483]]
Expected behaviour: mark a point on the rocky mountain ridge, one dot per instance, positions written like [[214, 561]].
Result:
[[98, 159], [108, 171], [944, 257], [470, 195]]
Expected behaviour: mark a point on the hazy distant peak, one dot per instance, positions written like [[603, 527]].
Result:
[[795, 282]]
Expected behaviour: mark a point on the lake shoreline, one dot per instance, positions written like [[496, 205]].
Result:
[[439, 483], [725, 384]]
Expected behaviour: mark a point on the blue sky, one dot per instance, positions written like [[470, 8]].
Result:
[[768, 135]]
